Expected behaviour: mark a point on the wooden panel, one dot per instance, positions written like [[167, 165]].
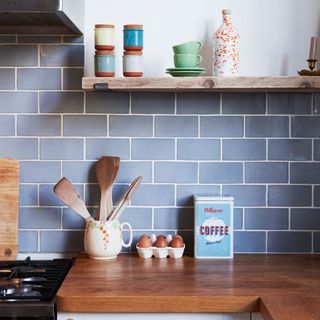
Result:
[[9, 204], [206, 83], [132, 284]]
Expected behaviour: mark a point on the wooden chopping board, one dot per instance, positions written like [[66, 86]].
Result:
[[9, 208]]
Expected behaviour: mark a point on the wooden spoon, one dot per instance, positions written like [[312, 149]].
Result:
[[66, 192], [126, 198], [105, 172]]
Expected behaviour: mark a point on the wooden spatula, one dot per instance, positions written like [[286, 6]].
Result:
[[66, 192], [106, 171], [125, 198]]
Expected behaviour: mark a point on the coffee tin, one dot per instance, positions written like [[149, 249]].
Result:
[[213, 227]]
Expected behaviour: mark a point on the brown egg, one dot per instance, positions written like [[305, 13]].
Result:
[[161, 236], [176, 242], [144, 241], [161, 242], [178, 236]]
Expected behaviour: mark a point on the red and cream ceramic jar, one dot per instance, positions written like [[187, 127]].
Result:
[[132, 64]]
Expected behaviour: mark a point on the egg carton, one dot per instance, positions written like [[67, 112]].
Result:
[[160, 253]]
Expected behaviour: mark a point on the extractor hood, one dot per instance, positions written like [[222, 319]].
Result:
[[42, 17]]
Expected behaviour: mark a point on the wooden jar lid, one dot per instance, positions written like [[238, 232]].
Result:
[[111, 26], [133, 26], [104, 53], [132, 53]]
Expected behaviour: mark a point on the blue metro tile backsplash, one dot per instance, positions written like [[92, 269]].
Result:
[[261, 148]]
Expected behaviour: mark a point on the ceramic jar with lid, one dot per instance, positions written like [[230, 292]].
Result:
[[104, 37], [104, 63], [133, 37], [132, 64]]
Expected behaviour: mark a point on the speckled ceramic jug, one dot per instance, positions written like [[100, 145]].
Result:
[[103, 239]]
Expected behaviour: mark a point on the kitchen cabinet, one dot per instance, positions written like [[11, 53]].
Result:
[[159, 316], [198, 84]]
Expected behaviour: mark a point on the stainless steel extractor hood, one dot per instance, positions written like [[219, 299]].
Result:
[[41, 17]]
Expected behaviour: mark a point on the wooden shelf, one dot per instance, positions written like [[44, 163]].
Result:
[[306, 83]]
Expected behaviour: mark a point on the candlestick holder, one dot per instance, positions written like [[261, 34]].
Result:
[[312, 63]]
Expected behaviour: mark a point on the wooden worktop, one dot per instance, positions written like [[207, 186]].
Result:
[[279, 286]]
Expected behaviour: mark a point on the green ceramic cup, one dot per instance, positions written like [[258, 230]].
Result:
[[186, 60], [187, 47]]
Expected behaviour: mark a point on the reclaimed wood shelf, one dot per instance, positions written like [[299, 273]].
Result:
[[298, 83]]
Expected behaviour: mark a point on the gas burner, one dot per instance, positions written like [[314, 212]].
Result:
[[19, 291]]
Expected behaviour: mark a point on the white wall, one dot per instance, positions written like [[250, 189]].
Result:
[[275, 34]]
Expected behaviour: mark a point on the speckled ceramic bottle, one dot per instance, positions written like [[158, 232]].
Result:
[[226, 48]]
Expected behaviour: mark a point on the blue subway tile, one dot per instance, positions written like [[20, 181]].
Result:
[[286, 241], [176, 172], [249, 196], [316, 242], [305, 126], [61, 102], [7, 79], [39, 79], [64, 241], [62, 55], [19, 148], [249, 241], [28, 241], [273, 126], [39, 125], [244, 103], [266, 218], [217, 126], [185, 193], [7, 126], [107, 102], [173, 218], [316, 150], [129, 170], [13, 55], [72, 220], [266, 172], [176, 126], [154, 195], [40, 218], [289, 149], [28, 195], [237, 218], [61, 149], [242, 149], [196, 149], [72, 78], [316, 196], [86, 125], [195, 103], [79, 171], [153, 149], [305, 219], [131, 126], [38, 39], [98, 147], [152, 102], [316, 103], [289, 103], [39, 172], [307, 173], [289, 196], [16, 102], [221, 172], [139, 218]]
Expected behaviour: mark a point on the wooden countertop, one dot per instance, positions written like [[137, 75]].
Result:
[[279, 286]]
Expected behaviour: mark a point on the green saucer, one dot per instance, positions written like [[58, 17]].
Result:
[[186, 73], [185, 69]]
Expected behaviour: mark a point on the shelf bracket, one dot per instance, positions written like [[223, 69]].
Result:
[[101, 86]]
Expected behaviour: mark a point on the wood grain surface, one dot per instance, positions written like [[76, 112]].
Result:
[[9, 204], [278, 285], [305, 83]]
